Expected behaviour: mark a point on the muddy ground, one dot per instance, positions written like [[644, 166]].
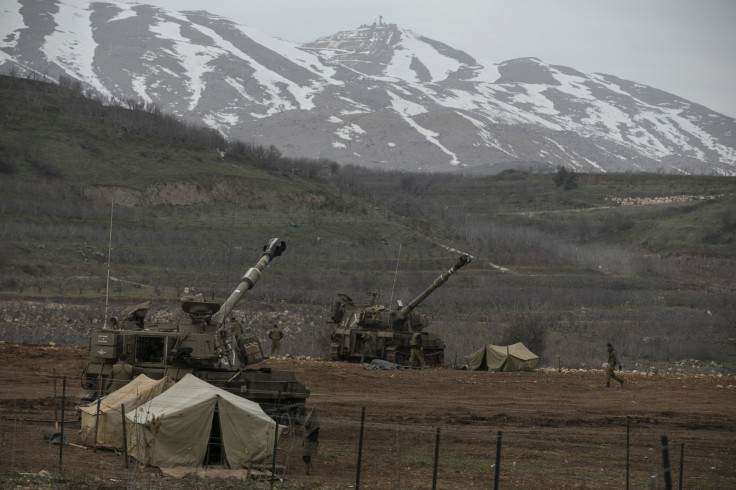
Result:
[[558, 429]]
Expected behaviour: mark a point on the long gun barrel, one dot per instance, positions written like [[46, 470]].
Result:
[[461, 261], [273, 248]]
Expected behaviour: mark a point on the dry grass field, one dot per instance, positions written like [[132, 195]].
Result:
[[558, 429]]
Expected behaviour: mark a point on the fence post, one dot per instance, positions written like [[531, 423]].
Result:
[[275, 443], [97, 422], [628, 448], [360, 448], [125, 438], [682, 461], [63, 402], [56, 408], [436, 459], [666, 464], [498, 461]]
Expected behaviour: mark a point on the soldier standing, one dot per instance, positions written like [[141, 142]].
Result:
[[121, 374], [416, 349], [235, 326], [275, 334], [368, 351], [612, 361]]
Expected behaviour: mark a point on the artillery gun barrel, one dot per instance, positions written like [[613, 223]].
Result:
[[272, 249], [461, 261]]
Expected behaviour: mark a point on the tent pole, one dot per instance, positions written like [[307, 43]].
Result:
[[125, 438], [498, 461], [275, 443], [97, 422], [360, 448], [436, 459]]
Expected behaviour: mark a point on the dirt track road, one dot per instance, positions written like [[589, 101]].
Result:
[[559, 429]]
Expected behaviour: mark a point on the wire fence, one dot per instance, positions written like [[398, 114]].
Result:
[[359, 447]]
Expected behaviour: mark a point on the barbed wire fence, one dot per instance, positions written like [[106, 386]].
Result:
[[40, 426]]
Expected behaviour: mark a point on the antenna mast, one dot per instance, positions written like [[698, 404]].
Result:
[[396, 274], [109, 253]]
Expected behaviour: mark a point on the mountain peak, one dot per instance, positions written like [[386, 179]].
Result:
[[386, 50], [379, 95]]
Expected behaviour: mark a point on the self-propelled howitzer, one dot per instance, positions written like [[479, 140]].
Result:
[[203, 345], [369, 331]]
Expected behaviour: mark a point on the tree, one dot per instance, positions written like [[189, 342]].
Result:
[[560, 176], [529, 328], [565, 178]]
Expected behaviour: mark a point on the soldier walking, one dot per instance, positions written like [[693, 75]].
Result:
[[275, 334], [368, 351], [612, 361], [417, 349]]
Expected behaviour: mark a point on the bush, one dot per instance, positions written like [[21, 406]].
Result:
[[529, 328]]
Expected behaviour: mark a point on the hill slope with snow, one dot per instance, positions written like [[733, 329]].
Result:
[[377, 96]]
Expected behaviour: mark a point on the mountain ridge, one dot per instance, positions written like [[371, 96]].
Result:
[[377, 96]]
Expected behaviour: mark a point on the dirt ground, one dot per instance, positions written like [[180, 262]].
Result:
[[555, 429]]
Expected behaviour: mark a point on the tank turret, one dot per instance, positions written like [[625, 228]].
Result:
[[369, 331], [203, 345]]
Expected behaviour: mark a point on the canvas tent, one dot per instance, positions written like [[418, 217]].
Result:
[[194, 424], [109, 424], [514, 357]]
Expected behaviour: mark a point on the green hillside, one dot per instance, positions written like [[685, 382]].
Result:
[[645, 260]]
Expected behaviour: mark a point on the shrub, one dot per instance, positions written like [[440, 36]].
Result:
[[529, 328]]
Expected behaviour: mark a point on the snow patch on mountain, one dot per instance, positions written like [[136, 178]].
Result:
[[290, 51], [193, 58], [69, 47], [406, 110], [412, 55], [347, 132], [405, 107], [486, 135], [11, 17], [124, 13]]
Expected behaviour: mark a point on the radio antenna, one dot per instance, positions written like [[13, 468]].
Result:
[[109, 253], [396, 274]]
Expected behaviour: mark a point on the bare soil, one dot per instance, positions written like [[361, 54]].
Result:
[[558, 429]]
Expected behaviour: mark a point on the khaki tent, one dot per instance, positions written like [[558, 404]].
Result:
[[514, 357], [195, 424], [109, 424]]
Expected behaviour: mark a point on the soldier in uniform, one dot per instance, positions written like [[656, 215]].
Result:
[[612, 361], [235, 326], [416, 349], [368, 351], [134, 316], [275, 334], [121, 374]]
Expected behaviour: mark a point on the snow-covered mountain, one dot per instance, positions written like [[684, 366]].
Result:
[[377, 96]]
